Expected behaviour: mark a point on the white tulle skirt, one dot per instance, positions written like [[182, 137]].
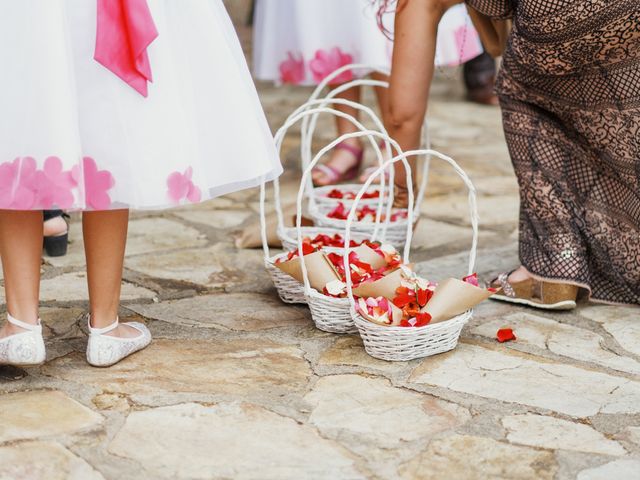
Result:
[[75, 136], [301, 41]]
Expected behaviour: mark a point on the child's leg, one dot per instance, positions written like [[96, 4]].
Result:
[[341, 159], [105, 238], [21, 252], [382, 95]]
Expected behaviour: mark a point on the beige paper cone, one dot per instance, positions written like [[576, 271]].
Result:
[[368, 255], [319, 269], [396, 317], [452, 298], [384, 287]]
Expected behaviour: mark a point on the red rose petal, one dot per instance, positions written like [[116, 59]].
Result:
[[423, 319], [505, 335], [424, 296], [472, 279]]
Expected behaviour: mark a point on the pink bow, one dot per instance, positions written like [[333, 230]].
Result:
[[125, 30]]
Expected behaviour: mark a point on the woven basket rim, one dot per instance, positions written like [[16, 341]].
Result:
[[312, 292], [320, 229], [368, 325], [271, 261]]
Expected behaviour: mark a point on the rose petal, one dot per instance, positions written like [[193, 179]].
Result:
[[505, 335]]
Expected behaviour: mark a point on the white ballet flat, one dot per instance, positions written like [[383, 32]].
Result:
[[105, 350], [23, 349]]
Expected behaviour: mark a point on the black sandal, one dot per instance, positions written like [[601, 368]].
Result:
[[56, 246]]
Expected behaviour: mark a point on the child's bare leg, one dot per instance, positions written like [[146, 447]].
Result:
[[342, 160], [21, 252], [105, 238]]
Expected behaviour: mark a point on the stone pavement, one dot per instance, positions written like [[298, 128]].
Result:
[[240, 386]]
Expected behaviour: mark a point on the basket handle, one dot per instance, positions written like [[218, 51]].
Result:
[[326, 81], [379, 125], [336, 73], [279, 137], [473, 207], [308, 132], [307, 138], [365, 133], [410, 210]]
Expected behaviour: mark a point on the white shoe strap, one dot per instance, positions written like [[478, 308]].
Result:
[[26, 326], [102, 331]]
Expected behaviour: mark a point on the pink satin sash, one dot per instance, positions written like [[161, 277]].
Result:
[[125, 31]]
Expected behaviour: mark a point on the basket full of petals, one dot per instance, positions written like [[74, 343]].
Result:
[[403, 316]]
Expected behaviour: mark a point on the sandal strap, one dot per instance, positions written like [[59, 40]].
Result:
[[102, 331], [19, 323], [331, 173], [357, 152], [503, 280]]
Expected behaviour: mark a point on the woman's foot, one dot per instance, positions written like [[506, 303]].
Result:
[[343, 166], [108, 345], [56, 233], [367, 172], [21, 344], [520, 287]]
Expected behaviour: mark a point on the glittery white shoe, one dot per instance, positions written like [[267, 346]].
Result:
[[23, 349], [105, 350]]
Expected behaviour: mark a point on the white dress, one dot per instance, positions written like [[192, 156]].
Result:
[[75, 136], [301, 41]]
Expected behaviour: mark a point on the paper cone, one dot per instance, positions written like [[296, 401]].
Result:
[[454, 297], [368, 255], [384, 287], [396, 317], [319, 269]]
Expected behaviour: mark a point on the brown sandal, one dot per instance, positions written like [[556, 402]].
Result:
[[401, 195], [535, 293]]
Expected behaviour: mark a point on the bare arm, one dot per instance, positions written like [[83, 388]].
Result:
[[493, 33], [416, 30]]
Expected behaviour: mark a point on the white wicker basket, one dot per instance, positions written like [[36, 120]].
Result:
[[399, 344], [309, 125], [288, 288], [306, 111], [392, 232], [289, 236], [408, 343], [328, 313], [320, 194], [312, 109]]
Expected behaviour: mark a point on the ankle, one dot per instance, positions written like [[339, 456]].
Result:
[[101, 320], [55, 226], [23, 315], [520, 275], [14, 326]]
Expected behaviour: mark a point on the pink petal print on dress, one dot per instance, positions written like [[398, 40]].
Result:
[[467, 43], [180, 187], [55, 186], [326, 62], [292, 69], [18, 184], [97, 184]]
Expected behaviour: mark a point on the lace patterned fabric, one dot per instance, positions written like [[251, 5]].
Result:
[[570, 95]]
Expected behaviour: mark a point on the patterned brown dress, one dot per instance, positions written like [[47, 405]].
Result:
[[570, 95]]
